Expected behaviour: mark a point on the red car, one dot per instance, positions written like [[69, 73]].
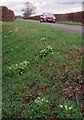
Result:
[[47, 17]]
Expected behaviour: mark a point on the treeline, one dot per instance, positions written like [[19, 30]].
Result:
[[74, 17], [6, 15]]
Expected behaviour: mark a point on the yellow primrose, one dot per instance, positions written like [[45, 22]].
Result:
[[70, 108], [61, 106], [66, 107], [16, 65]]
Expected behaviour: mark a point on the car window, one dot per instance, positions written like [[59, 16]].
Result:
[[47, 14]]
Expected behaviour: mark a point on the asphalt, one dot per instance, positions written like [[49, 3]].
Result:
[[73, 28]]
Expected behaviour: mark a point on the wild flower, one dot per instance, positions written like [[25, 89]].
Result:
[[38, 109], [43, 38], [61, 106], [41, 101], [68, 110], [48, 50], [66, 107], [19, 68]]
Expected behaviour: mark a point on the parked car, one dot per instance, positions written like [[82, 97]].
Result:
[[47, 17]]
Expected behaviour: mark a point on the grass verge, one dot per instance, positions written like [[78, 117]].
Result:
[[42, 72]]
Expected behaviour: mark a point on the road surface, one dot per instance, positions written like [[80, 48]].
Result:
[[73, 28]]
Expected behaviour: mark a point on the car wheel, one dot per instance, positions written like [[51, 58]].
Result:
[[53, 22]]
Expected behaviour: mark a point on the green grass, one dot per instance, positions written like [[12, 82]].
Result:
[[46, 82], [71, 23]]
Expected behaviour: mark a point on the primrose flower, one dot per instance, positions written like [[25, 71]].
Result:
[[25, 63], [10, 68], [41, 51], [47, 101], [38, 98], [20, 72], [12, 49], [5, 36], [16, 65], [61, 106], [70, 108], [49, 46], [66, 107], [35, 101], [42, 99], [43, 38]]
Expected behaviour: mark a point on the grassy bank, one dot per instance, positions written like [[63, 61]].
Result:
[[42, 72]]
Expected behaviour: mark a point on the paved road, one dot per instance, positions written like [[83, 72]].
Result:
[[73, 28]]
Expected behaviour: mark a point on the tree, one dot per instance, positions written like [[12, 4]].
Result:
[[28, 10]]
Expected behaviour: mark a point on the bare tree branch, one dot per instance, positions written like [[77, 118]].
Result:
[[28, 10]]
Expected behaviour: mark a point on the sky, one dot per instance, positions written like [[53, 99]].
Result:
[[53, 6]]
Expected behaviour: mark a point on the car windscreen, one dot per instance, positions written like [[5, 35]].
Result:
[[47, 14]]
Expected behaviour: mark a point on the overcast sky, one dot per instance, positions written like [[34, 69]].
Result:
[[54, 6]]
